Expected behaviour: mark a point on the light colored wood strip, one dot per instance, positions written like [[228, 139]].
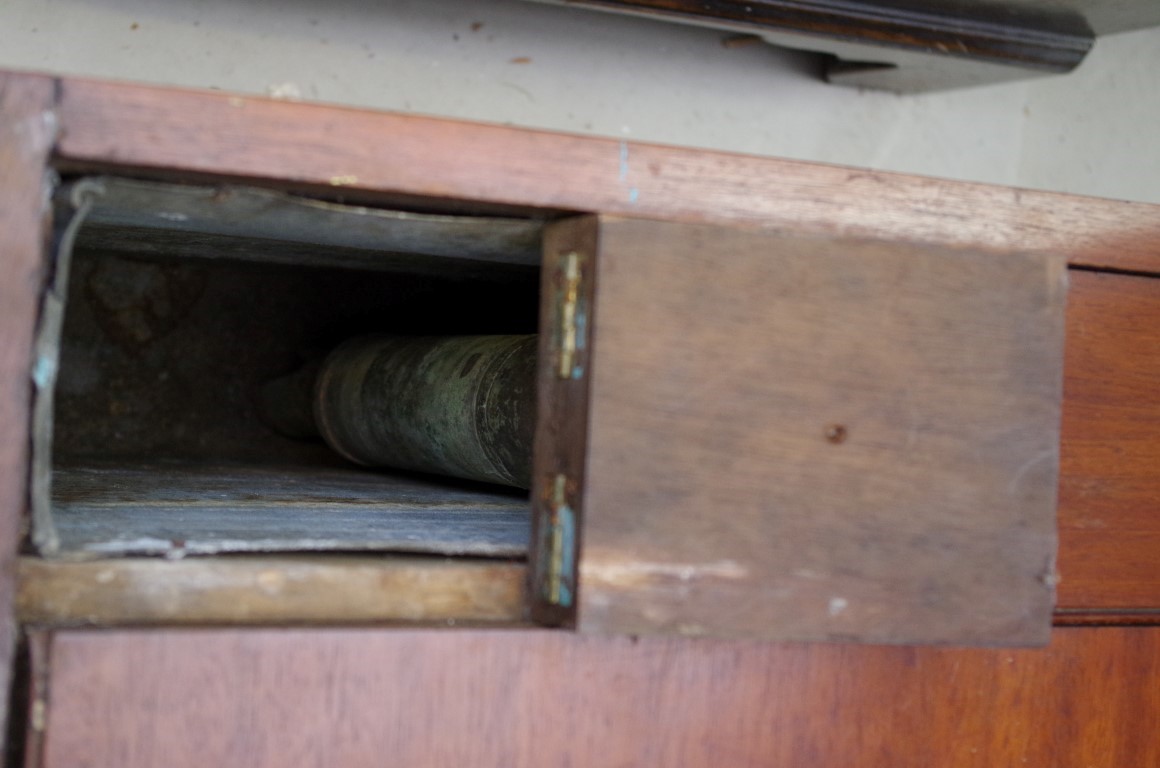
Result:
[[268, 590], [369, 155]]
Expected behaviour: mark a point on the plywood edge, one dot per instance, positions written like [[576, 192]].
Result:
[[269, 591]]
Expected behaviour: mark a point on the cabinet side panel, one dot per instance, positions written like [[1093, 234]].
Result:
[[27, 123], [527, 699], [811, 438]]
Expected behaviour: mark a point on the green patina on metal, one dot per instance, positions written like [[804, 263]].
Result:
[[463, 405]]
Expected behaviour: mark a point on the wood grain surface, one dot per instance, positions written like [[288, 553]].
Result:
[[269, 590], [27, 131], [561, 444], [356, 154], [813, 438], [1109, 493], [447, 699]]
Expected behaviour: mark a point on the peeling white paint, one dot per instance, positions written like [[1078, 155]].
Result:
[[837, 605]]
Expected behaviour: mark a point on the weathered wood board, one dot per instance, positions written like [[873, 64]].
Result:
[[283, 589], [177, 509], [813, 438], [252, 224]]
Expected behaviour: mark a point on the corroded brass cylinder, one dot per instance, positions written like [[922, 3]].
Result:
[[462, 405]]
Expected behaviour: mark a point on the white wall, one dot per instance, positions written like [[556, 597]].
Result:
[[1093, 132]]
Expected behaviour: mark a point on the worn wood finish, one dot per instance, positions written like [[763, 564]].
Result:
[[178, 508], [130, 216], [27, 131], [567, 287], [810, 438], [1109, 500], [445, 699], [170, 133], [269, 590]]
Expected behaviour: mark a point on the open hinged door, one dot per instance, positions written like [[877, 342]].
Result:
[[753, 434]]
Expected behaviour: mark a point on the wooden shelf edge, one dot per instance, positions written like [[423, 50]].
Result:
[[314, 590], [298, 590]]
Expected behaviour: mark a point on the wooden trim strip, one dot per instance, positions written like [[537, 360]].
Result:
[[257, 591], [269, 590], [568, 289], [167, 133], [27, 131]]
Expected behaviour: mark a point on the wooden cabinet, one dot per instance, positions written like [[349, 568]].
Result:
[[655, 469]]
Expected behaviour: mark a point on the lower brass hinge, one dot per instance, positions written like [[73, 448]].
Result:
[[559, 533]]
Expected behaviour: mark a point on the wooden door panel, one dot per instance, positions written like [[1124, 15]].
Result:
[[1109, 493], [813, 438]]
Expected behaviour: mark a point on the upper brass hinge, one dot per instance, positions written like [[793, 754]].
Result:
[[572, 319]]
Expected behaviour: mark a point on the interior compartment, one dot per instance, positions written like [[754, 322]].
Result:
[[182, 302]]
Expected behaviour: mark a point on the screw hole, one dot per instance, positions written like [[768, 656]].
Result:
[[836, 433]]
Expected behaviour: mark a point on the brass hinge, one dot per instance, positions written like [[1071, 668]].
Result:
[[560, 538], [573, 316]]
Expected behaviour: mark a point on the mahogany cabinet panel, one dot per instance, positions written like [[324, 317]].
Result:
[[445, 698], [1109, 493], [819, 438]]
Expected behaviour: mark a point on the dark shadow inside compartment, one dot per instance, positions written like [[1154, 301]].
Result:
[[169, 335]]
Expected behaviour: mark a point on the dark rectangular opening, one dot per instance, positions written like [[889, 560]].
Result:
[[183, 302]]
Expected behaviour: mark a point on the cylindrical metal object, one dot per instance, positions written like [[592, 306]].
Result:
[[459, 405]]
